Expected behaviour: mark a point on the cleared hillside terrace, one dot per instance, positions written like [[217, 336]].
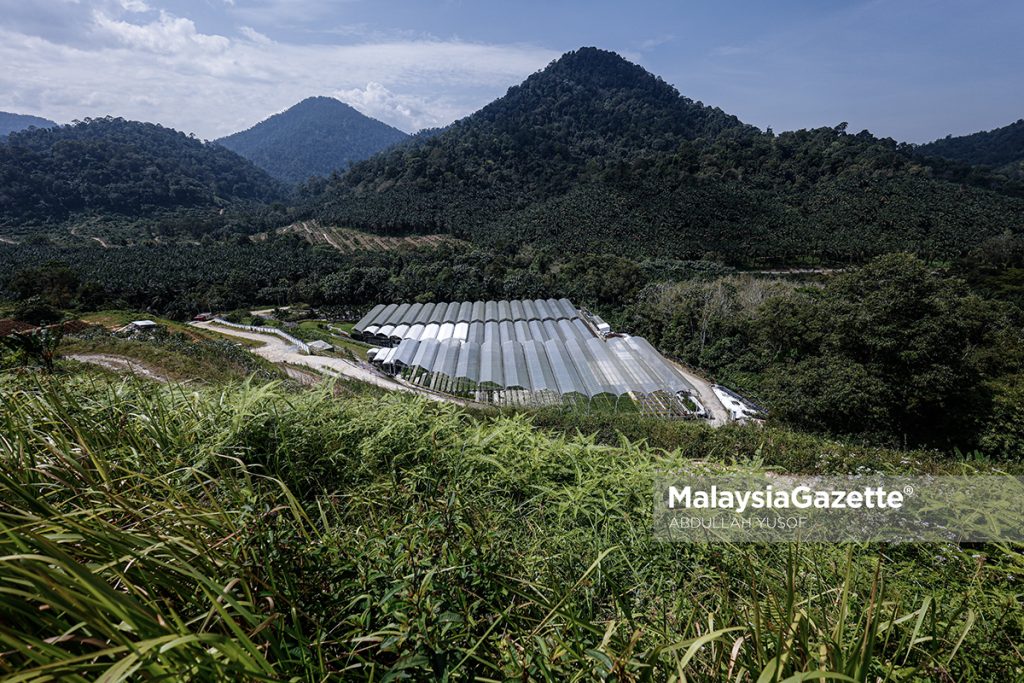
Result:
[[347, 240]]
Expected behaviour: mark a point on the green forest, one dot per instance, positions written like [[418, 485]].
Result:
[[120, 167], [1002, 148], [596, 155]]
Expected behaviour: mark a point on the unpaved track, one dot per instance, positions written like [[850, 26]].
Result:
[[122, 364], [719, 415], [277, 350]]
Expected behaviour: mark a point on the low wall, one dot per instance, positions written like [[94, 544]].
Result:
[[302, 346]]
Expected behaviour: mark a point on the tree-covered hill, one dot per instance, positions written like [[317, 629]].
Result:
[[589, 107], [317, 136], [999, 147], [10, 123], [594, 154], [123, 167]]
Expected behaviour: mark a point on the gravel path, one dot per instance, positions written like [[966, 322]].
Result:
[[277, 350], [119, 364], [719, 415]]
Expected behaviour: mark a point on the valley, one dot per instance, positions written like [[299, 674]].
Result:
[[328, 399]]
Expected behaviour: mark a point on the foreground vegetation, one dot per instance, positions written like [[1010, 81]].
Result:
[[248, 532]]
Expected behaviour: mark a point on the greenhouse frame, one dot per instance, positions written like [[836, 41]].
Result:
[[520, 352]]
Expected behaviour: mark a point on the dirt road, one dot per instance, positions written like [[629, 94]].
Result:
[[719, 415], [121, 364], [277, 350]]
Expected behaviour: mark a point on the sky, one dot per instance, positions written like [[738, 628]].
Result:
[[913, 70]]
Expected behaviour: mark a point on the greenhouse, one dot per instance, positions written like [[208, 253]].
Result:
[[522, 352]]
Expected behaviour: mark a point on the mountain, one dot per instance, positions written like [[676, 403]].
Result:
[[9, 123], [595, 154], [317, 136], [121, 167], [1001, 148]]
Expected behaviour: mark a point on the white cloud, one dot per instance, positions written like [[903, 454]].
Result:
[[168, 34], [254, 35], [657, 41], [404, 111], [134, 6], [166, 69]]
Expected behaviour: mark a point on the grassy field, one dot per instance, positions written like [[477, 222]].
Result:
[[247, 531], [175, 351]]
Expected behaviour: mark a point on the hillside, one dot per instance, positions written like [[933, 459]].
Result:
[[120, 167], [10, 123], [248, 531], [317, 136], [998, 147], [594, 154]]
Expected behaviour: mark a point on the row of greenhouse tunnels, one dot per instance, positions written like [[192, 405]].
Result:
[[524, 353]]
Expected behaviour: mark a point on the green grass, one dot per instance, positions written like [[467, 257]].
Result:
[[177, 355], [248, 532]]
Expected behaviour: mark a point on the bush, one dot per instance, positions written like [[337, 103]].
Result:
[[245, 532]]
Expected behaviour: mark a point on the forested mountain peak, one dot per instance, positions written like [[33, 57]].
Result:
[[998, 147], [603, 69], [122, 167], [590, 94], [317, 136], [589, 109], [595, 154], [10, 123]]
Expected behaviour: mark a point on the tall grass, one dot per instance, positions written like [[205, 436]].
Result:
[[250, 533]]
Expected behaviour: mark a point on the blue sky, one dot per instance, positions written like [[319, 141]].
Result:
[[913, 70]]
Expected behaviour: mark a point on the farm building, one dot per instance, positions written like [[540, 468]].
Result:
[[320, 346], [522, 352], [139, 326]]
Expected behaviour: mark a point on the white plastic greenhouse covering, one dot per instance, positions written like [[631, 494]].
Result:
[[517, 310], [538, 345], [425, 313], [410, 315], [400, 332], [529, 310]]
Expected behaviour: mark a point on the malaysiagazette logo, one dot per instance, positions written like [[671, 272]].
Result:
[[797, 498], [771, 507]]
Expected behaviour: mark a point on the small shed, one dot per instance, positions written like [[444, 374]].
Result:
[[142, 325], [320, 346]]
